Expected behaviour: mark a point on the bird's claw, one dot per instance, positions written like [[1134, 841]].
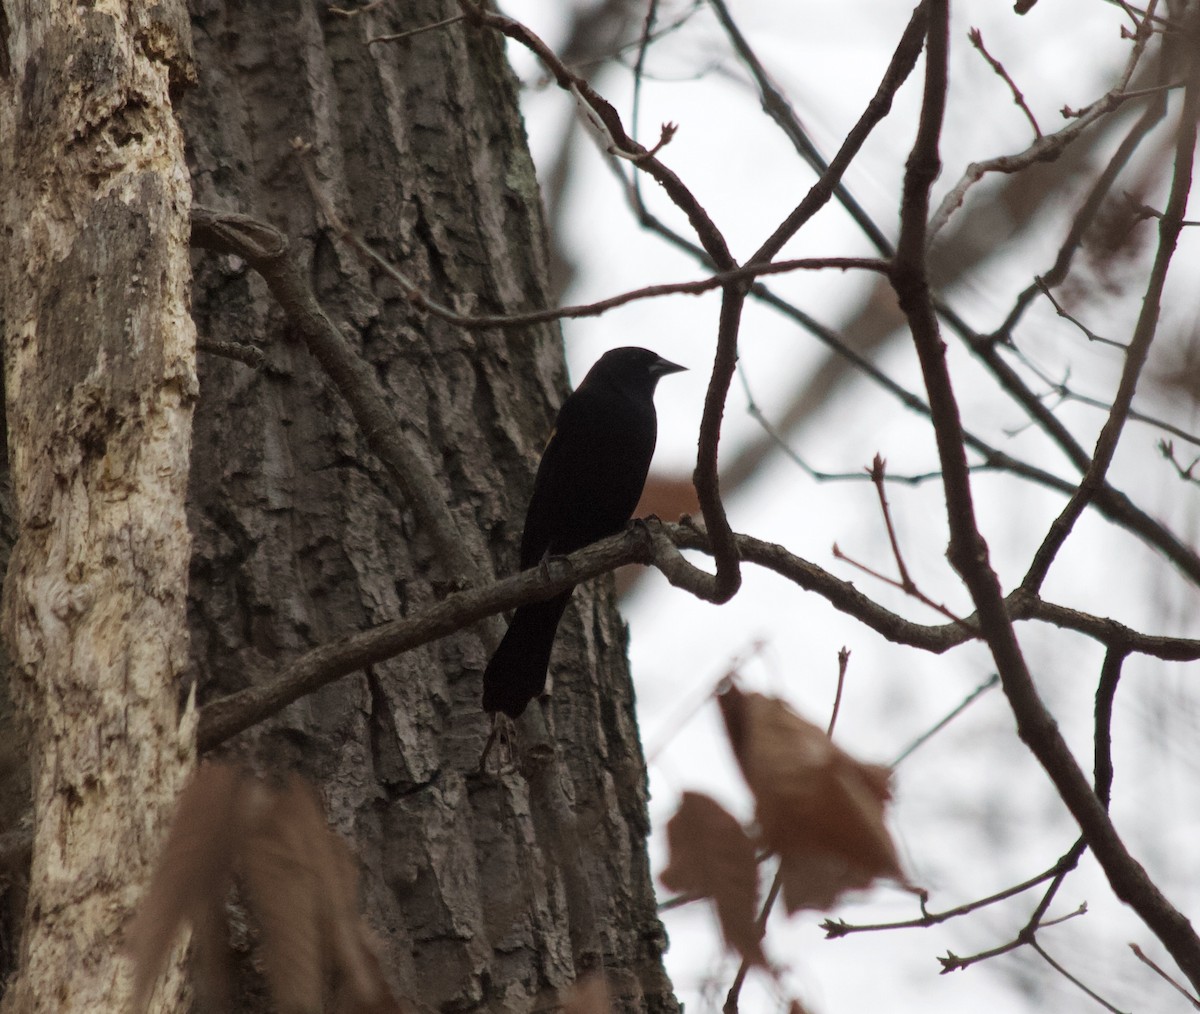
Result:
[[501, 736]]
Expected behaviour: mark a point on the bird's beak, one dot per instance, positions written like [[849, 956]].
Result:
[[665, 366]]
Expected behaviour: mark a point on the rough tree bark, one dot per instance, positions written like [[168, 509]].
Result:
[[100, 382], [491, 893]]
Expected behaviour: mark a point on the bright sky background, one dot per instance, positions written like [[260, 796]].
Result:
[[973, 813]]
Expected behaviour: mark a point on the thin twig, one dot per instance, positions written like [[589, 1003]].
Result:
[[1074, 980], [843, 662], [638, 71], [1049, 146], [1064, 392], [992, 681], [756, 413], [904, 583], [671, 26], [1142, 957], [1058, 309], [835, 928], [1139, 347], [1145, 211], [735, 990], [976, 37], [1187, 473], [952, 962], [416, 31], [484, 322], [1084, 218], [876, 471]]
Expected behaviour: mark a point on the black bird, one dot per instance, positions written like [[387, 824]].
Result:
[[588, 483]]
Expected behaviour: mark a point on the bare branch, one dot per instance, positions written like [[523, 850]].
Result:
[[1141, 956], [1139, 348], [835, 928], [1086, 215], [903, 60], [976, 37], [928, 734], [968, 552], [843, 662], [1089, 334], [445, 22], [642, 542], [735, 990], [1047, 147], [1074, 980], [1186, 472]]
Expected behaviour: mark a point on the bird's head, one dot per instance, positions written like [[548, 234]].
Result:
[[632, 368]]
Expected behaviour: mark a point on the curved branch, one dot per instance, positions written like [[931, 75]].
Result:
[[227, 716], [648, 542]]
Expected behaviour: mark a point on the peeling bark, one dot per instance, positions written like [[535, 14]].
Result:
[[99, 384]]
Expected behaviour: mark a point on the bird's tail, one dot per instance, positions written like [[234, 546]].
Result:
[[517, 672]]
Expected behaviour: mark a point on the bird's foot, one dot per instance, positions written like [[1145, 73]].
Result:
[[647, 524], [500, 737]]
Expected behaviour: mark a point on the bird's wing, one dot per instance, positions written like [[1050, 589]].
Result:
[[535, 540]]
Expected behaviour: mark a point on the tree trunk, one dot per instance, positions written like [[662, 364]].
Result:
[[100, 383], [490, 892]]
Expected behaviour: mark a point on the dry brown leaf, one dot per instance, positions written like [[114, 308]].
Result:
[[281, 865], [300, 882], [712, 856], [303, 886], [589, 996], [193, 874], [816, 880], [818, 807]]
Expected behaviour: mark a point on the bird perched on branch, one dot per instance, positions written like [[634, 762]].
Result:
[[588, 484]]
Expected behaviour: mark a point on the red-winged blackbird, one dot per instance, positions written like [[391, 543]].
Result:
[[588, 483]]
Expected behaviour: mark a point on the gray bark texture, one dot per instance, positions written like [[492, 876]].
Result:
[[99, 387], [490, 892]]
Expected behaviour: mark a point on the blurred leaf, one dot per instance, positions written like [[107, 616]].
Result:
[[713, 857], [818, 807], [300, 882], [193, 876], [589, 996]]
